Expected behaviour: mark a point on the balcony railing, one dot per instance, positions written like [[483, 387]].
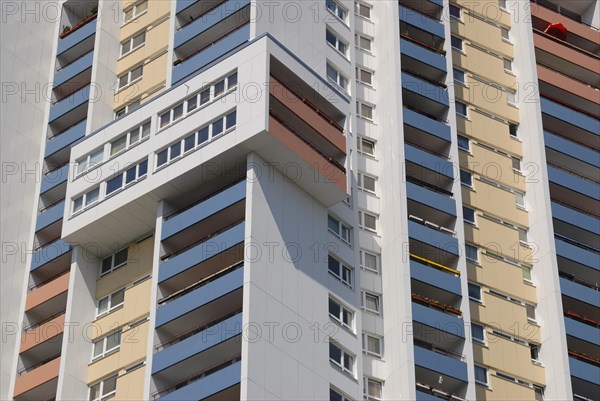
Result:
[[80, 24], [27, 369], [588, 284], [43, 283], [429, 186], [430, 303], [41, 322], [434, 264], [562, 11], [431, 225], [583, 319], [585, 358], [439, 350]]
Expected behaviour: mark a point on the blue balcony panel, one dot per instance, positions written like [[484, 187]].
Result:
[[207, 385], [440, 363], [197, 343], [582, 331], [573, 182], [49, 253], [54, 179], [421, 396], [421, 21], [438, 320], [50, 216], [199, 297], [65, 139], [76, 37], [433, 237], [430, 198], [208, 20], [75, 68], [423, 55], [181, 5], [579, 292], [575, 218], [204, 209], [434, 277], [570, 116], [425, 89], [201, 252], [584, 371], [429, 161], [577, 254], [572, 149], [427, 125], [70, 103], [209, 54]]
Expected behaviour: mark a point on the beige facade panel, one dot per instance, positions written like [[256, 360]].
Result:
[[484, 33], [504, 277], [491, 131], [492, 165], [494, 200]]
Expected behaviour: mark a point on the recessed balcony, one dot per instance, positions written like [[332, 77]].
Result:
[[39, 382]]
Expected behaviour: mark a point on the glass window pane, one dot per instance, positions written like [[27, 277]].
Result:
[[368, 146], [143, 168], [121, 257], [134, 136], [369, 183], [98, 348], [219, 87], [348, 362], [474, 291], [456, 42], [178, 111], [203, 135], [175, 150], [102, 305], [117, 298], [232, 80], [114, 184], [110, 385], [106, 264], [125, 47], [333, 265], [230, 120], [469, 214], [334, 308], [217, 127], [331, 73], [139, 39], [94, 391], [162, 157], [146, 130], [365, 76], [165, 119], [374, 389], [334, 395], [189, 142], [113, 340], [370, 261], [333, 224], [463, 142], [205, 96], [130, 175], [192, 103], [335, 354], [136, 73], [118, 145], [477, 331], [466, 178], [92, 196], [141, 7], [370, 221], [123, 80]]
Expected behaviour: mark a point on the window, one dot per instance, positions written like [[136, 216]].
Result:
[[364, 110], [481, 375], [134, 136], [520, 199], [336, 9], [469, 214], [516, 163], [372, 345], [471, 253], [336, 77], [372, 389], [461, 109], [363, 42], [474, 292], [530, 309], [370, 302], [477, 332], [366, 146], [338, 228], [133, 43], [104, 389], [455, 11], [340, 357], [459, 75], [513, 129], [135, 11], [335, 395], [369, 261], [107, 345], [131, 76], [466, 178], [90, 160], [126, 177], [110, 302], [456, 42], [502, 4], [114, 261], [341, 314], [522, 235], [505, 32], [507, 64], [340, 270], [336, 42], [366, 182], [367, 221], [86, 200], [126, 109], [364, 76], [535, 352], [362, 9], [464, 143]]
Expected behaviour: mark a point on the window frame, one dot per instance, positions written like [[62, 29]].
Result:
[[360, 146], [340, 80], [106, 351], [477, 287], [134, 9], [358, 72], [476, 249], [360, 111], [460, 112], [124, 176], [485, 371], [481, 340], [358, 38], [361, 183], [366, 393], [338, 44], [128, 74], [101, 384], [376, 298], [459, 16], [341, 228], [461, 73], [362, 221], [337, 9], [363, 264], [84, 201], [130, 41], [341, 268], [344, 311], [129, 107], [113, 258], [359, 6], [453, 39], [468, 140], [365, 345], [128, 143], [88, 161], [463, 176], [109, 299], [474, 221], [345, 355]]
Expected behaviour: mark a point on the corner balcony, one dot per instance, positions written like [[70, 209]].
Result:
[[54, 257], [63, 140], [431, 365], [210, 53], [38, 383], [422, 128]]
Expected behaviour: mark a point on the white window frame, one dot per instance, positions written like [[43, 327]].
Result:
[[358, 10], [360, 146], [361, 183], [365, 344], [100, 384], [461, 72], [466, 113], [359, 70], [508, 37], [363, 264], [87, 161], [357, 42], [520, 200], [135, 11], [468, 148], [128, 138], [340, 394], [344, 310], [476, 260], [345, 356], [478, 340], [339, 79], [127, 108], [84, 201], [366, 394], [338, 42], [487, 380], [109, 303], [507, 62], [362, 218], [341, 269], [459, 17], [468, 184], [337, 9], [360, 111], [128, 74], [363, 302], [474, 221], [342, 227], [113, 265], [462, 43], [476, 299], [130, 41], [123, 176], [104, 341]]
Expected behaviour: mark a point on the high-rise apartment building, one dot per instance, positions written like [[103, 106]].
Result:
[[307, 200]]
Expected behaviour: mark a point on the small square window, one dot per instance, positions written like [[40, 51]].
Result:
[[459, 75], [461, 109], [202, 135], [466, 178], [363, 10], [481, 375], [464, 143], [469, 214], [471, 253], [455, 11], [475, 292], [456, 42], [217, 127], [520, 199], [513, 129], [477, 333], [526, 273]]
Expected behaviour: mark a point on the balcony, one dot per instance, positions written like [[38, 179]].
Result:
[[424, 59], [197, 300], [200, 350], [582, 331], [573, 189], [423, 95], [39, 383], [430, 365], [48, 297], [44, 337], [445, 280], [71, 109], [220, 382], [204, 209], [427, 131], [570, 123], [206, 19], [588, 297], [431, 199], [50, 216], [54, 178], [428, 167], [569, 253], [51, 256], [571, 155], [210, 53], [421, 21], [432, 243], [574, 224], [73, 76], [585, 377], [77, 43], [64, 140], [450, 324]]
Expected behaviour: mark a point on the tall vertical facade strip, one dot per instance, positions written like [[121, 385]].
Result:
[[330, 200]]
